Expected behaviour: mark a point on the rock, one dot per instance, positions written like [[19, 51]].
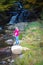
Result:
[[20, 25], [17, 49], [9, 41], [3, 62], [25, 48]]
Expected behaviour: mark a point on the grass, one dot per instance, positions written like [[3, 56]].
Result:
[[32, 39], [40, 63]]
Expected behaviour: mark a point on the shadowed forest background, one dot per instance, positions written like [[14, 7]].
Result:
[[9, 6]]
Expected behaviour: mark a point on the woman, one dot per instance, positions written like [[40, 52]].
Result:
[[16, 34]]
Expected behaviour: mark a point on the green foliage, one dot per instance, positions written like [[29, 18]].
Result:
[[5, 7], [20, 36], [22, 61], [28, 4], [6, 4], [29, 58], [40, 63]]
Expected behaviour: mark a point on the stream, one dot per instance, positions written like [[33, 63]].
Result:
[[6, 55]]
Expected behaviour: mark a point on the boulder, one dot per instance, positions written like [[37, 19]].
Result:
[[17, 49]]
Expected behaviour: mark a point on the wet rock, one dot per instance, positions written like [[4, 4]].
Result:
[[20, 25], [9, 41], [3, 62]]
